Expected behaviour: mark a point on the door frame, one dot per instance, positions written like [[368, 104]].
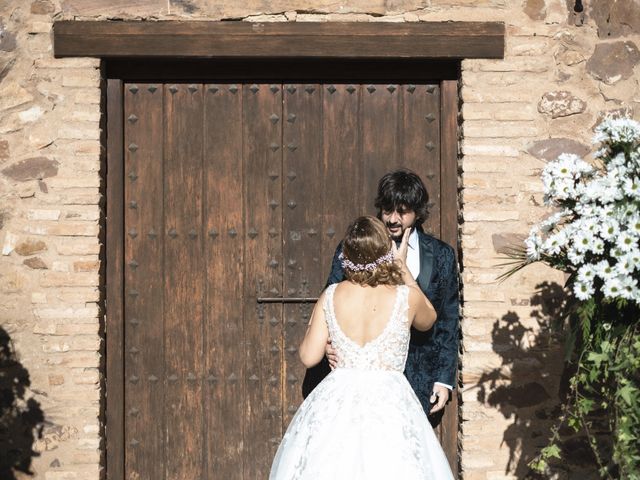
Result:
[[362, 52]]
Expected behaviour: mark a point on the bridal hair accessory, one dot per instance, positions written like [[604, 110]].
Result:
[[359, 267]]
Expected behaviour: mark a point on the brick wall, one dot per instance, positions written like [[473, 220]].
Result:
[[562, 71]]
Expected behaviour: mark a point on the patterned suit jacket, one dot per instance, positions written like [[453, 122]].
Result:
[[433, 355]]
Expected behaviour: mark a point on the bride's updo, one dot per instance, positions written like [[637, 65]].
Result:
[[366, 256]]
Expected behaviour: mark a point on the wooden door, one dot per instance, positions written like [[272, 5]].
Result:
[[232, 193]]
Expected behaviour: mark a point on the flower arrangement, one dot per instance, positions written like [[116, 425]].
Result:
[[594, 236]]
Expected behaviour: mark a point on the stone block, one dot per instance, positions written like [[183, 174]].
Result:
[[89, 443], [612, 62], [74, 297], [35, 263], [44, 328], [77, 181], [501, 4], [66, 312], [78, 246], [549, 149], [39, 27], [504, 241], [39, 44], [488, 129], [30, 247], [487, 80], [38, 297], [82, 213], [73, 359], [83, 79], [498, 111], [80, 131], [41, 214], [616, 19], [61, 475], [487, 147], [499, 95], [476, 461], [623, 91], [86, 266], [35, 168], [31, 115], [88, 96], [67, 63], [56, 379], [88, 115], [515, 64], [561, 104], [58, 266], [70, 229], [76, 329], [490, 215], [4, 150], [86, 376], [535, 9], [42, 7], [62, 279]]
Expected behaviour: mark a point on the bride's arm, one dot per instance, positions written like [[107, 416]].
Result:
[[312, 348]]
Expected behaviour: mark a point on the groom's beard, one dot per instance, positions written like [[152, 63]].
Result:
[[398, 237]]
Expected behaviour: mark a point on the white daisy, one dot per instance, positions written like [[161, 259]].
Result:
[[583, 290], [626, 242], [612, 287], [533, 244]]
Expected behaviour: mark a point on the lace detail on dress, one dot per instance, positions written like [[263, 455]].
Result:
[[388, 351]]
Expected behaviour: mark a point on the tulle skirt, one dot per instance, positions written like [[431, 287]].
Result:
[[360, 425]]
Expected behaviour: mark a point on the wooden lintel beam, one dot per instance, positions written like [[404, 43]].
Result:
[[203, 39]]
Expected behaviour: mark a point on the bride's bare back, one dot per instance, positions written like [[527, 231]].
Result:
[[363, 312]]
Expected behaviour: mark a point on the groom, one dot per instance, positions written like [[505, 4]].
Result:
[[433, 355]]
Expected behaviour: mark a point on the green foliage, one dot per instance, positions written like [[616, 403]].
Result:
[[606, 383]]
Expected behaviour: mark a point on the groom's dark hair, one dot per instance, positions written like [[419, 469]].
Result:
[[403, 190]]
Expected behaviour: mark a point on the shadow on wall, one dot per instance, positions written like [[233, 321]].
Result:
[[21, 420], [530, 384]]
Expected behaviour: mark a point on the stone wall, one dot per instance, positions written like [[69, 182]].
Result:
[[563, 70]]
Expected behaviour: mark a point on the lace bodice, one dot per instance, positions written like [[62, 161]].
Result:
[[388, 351]]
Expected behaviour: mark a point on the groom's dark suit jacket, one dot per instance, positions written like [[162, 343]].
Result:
[[433, 355]]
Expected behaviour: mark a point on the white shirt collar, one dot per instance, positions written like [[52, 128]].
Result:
[[413, 239]]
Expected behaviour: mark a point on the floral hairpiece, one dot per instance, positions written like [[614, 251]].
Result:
[[369, 267]]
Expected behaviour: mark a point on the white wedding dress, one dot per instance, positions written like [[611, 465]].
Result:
[[363, 421]]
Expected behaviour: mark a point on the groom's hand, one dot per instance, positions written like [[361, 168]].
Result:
[[331, 354], [439, 397]]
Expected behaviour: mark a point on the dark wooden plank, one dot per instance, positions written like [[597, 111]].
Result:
[[114, 284], [342, 168], [449, 234], [144, 333], [449, 162], [237, 30], [223, 347], [279, 39], [262, 166], [284, 70], [380, 120], [184, 280], [419, 141], [302, 224]]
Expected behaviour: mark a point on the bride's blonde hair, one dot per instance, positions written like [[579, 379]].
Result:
[[367, 258]]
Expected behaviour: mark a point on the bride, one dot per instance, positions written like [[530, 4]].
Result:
[[363, 421]]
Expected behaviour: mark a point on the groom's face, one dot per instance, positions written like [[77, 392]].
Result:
[[397, 221]]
